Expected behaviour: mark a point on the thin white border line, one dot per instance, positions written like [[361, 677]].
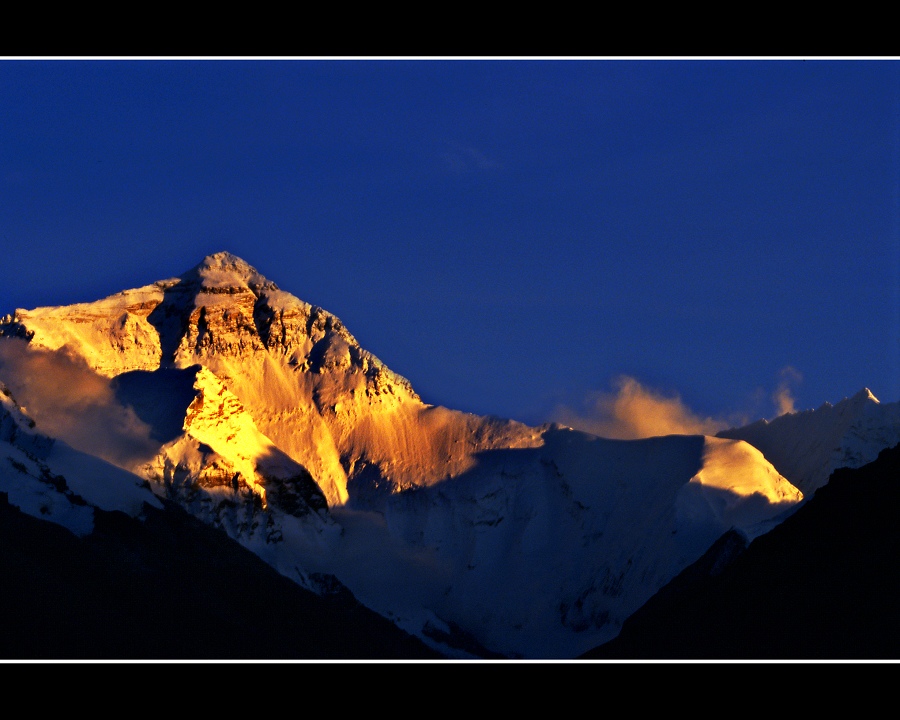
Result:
[[451, 57]]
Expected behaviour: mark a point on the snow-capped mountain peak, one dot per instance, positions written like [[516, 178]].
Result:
[[261, 415], [222, 270]]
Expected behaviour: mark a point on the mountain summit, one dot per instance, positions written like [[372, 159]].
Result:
[[262, 416], [331, 405]]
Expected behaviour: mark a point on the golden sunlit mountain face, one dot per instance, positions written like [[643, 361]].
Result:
[[297, 375]]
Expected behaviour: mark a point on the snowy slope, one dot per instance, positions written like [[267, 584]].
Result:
[[262, 416], [807, 446], [98, 567], [823, 585], [51, 481], [543, 552]]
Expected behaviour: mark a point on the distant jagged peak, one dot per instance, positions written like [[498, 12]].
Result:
[[865, 395], [857, 401]]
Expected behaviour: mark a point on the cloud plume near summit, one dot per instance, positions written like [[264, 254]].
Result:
[[71, 402], [783, 397], [633, 412]]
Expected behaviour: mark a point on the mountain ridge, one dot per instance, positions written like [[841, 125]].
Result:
[[260, 415], [809, 445]]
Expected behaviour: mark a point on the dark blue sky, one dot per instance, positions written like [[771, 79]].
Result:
[[510, 235]]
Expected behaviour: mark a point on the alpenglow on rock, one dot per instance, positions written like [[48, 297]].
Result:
[[261, 415], [330, 405]]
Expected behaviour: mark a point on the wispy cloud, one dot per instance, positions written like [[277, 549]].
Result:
[[634, 411], [69, 401], [783, 397]]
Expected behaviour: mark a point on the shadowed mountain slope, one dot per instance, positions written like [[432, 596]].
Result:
[[822, 585], [169, 587]]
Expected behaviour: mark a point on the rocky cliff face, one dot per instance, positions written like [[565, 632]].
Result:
[[333, 407], [226, 472]]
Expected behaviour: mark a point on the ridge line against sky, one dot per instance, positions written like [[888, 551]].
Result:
[[513, 236]]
